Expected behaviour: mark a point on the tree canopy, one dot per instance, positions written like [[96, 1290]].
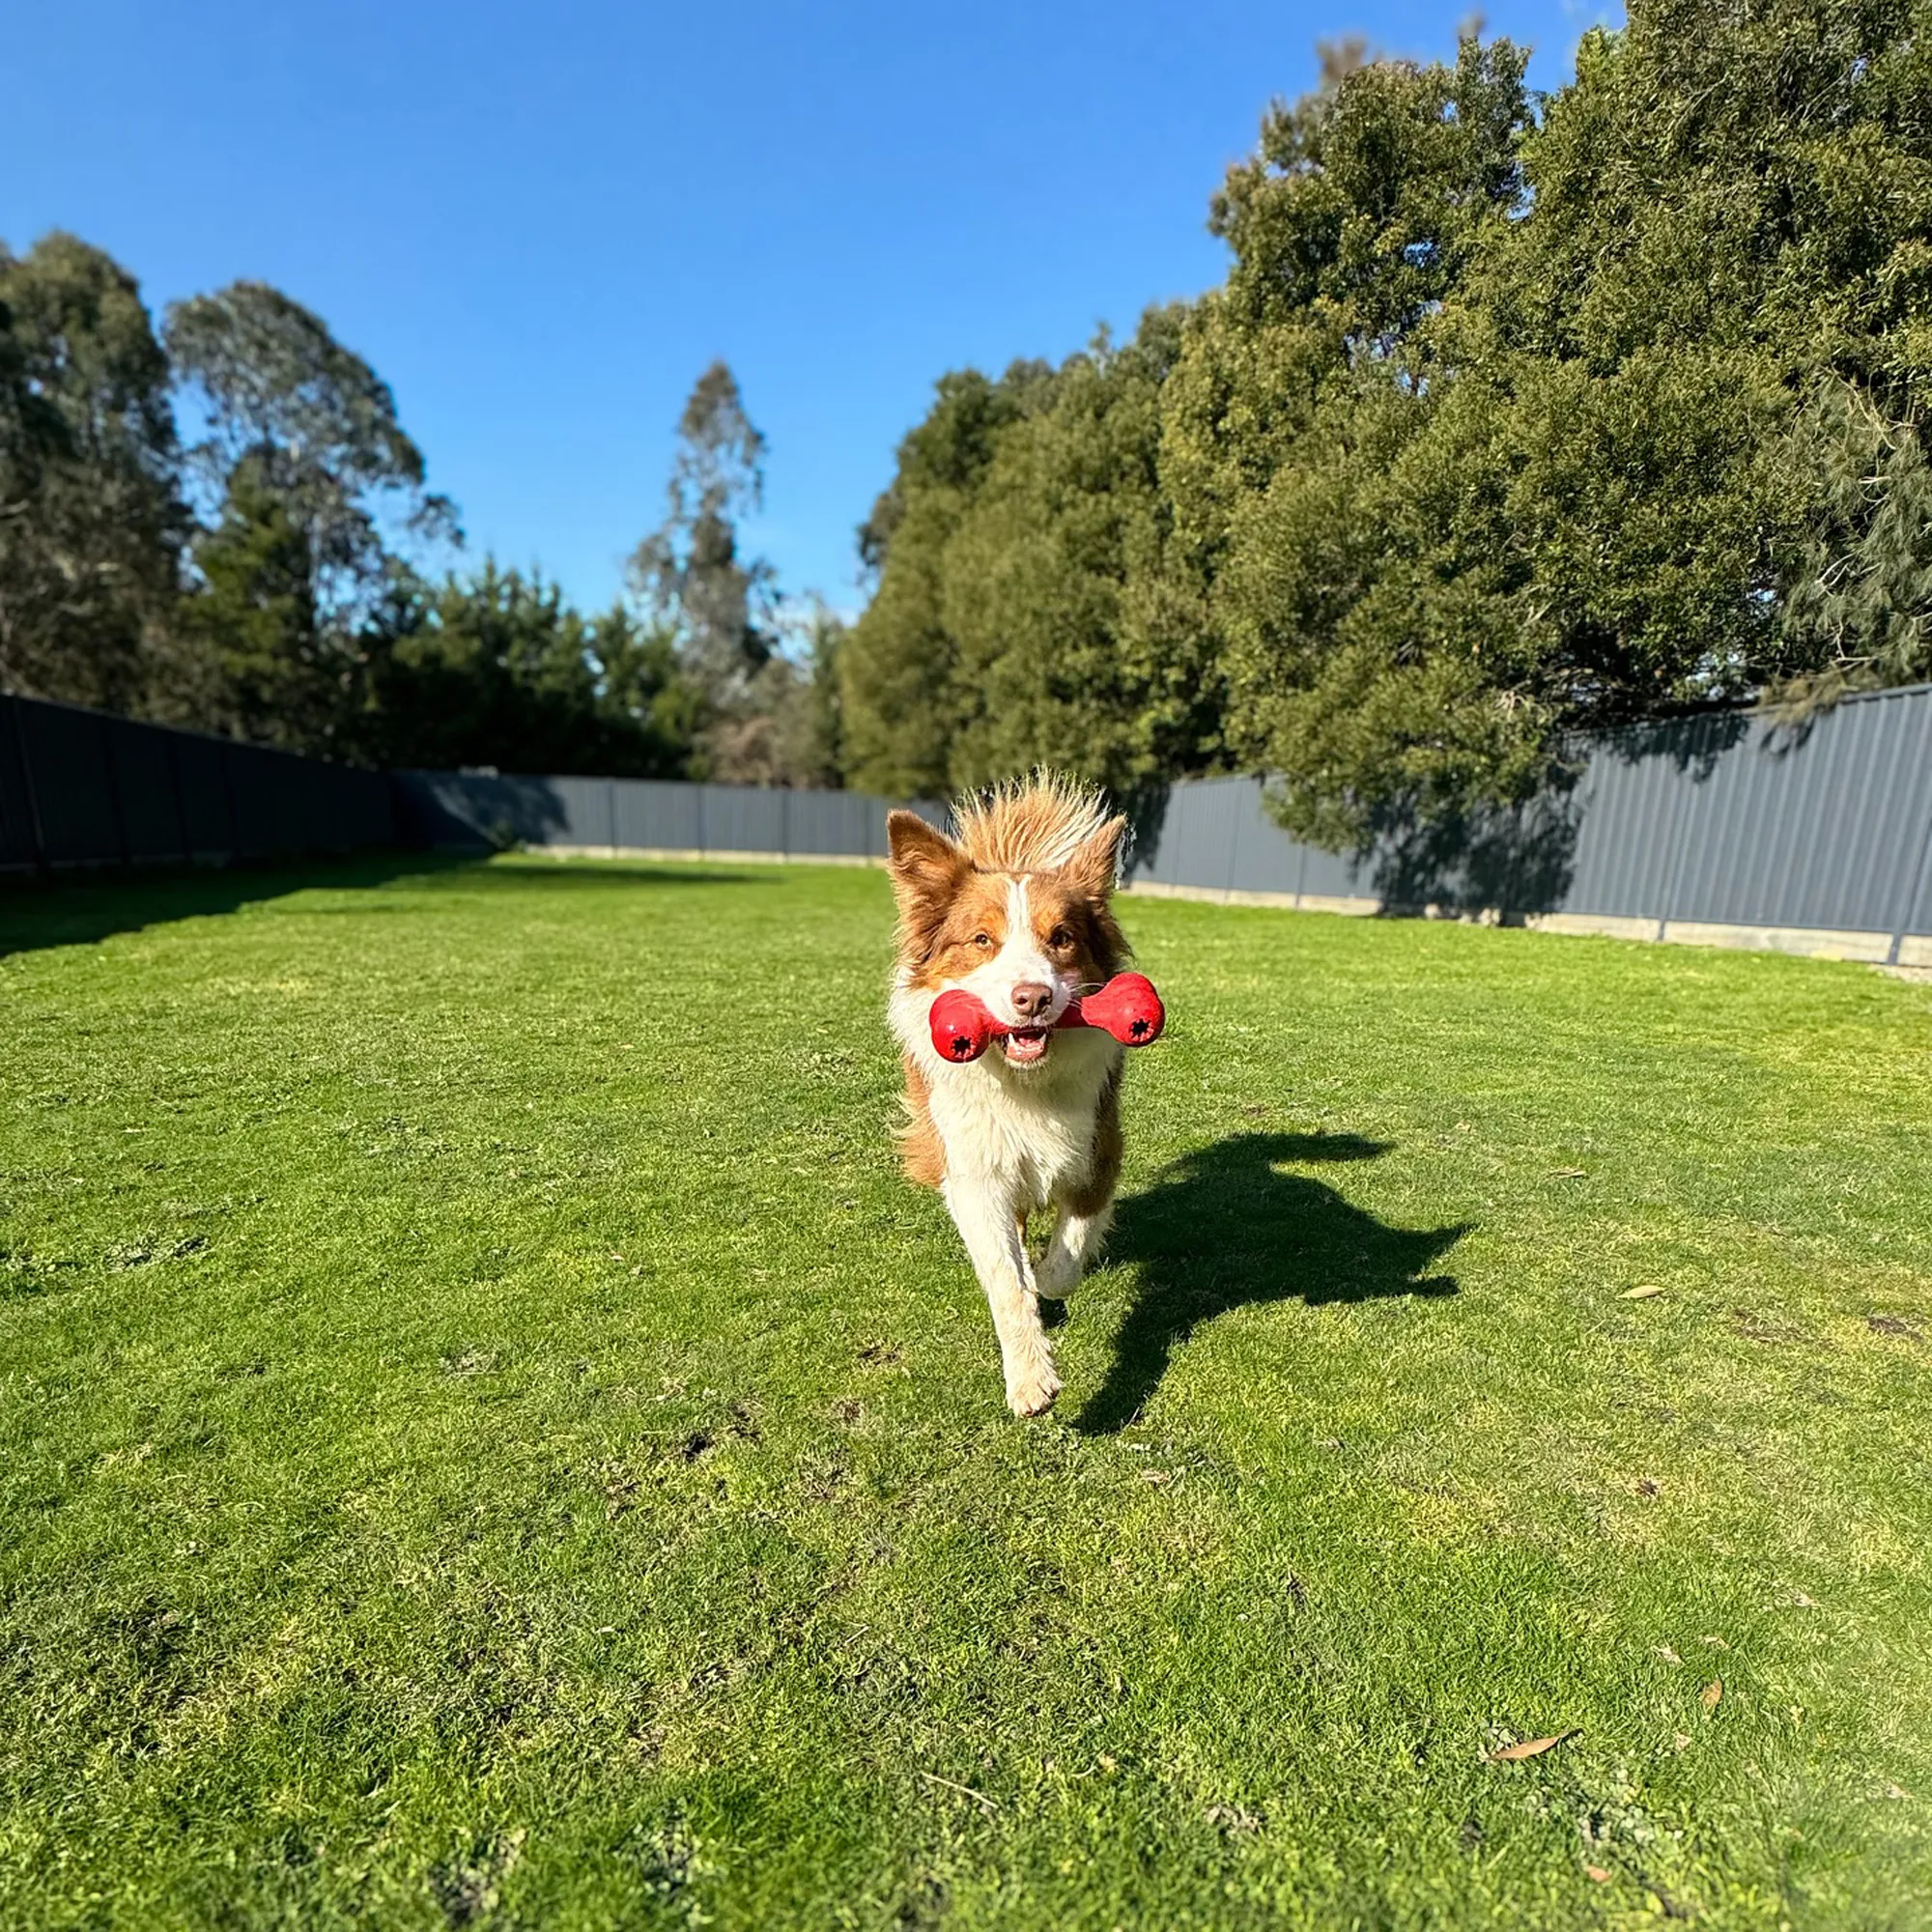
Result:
[[275, 579], [310, 422], [92, 520], [1512, 417]]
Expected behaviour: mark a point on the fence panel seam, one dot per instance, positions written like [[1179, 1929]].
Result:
[[1910, 904], [228, 799], [36, 826], [1674, 872], [115, 805], [169, 752]]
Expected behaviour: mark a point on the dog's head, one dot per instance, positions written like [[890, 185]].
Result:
[[1025, 939]]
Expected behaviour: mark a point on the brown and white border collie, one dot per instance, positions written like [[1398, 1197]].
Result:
[[1018, 910]]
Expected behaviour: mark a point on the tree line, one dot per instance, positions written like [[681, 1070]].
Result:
[[269, 576], [1516, 415]]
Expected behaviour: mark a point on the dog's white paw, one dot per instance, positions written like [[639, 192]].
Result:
[[1032, 1391], [1058, 1274]]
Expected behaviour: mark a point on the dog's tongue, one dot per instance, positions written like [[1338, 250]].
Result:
[[1025, 1046]]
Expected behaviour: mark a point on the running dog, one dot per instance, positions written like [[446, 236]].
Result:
[[1017, 908]]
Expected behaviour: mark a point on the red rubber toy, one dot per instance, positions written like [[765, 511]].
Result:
[[1128, 1006]]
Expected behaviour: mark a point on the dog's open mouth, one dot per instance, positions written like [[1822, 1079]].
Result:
[[1025, 1046]]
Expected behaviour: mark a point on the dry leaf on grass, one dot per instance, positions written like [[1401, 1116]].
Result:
[[965, 1792], [1712, 1693], [1531, 1748], [1683, 1740], [1666, 1651], [1643, 1291], [1596, 1874], [1570, 1173], [1234, 1820]]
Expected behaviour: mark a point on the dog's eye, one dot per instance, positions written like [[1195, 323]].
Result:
[[984, 941], [1060, 939]]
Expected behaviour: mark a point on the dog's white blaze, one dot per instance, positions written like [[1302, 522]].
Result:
[[1019, 962]]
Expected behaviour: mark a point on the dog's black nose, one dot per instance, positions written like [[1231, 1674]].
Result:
[[1030, 1001]]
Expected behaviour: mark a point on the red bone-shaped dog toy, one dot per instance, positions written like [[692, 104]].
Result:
[[1128, 1006]]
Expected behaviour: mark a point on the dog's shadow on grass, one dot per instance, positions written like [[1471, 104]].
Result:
[[1230, 1227]]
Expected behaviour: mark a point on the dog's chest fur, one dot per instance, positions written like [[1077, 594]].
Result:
[[1030, 1133]]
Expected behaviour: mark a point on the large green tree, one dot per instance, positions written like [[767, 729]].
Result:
[[91, 519], [304, 465], [1061, 652], [1859, 607], [903, 700], [1301, 532], [278, 674], [1628, 423], [1729, 230]]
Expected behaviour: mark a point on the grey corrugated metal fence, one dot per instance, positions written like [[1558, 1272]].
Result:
[[82, 788], [1723, 828], [645, 815]]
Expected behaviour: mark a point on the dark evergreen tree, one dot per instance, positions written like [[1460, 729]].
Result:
[[304, 460], [691, 577], [92, 522], [497, 670], [897, 684], [253, 614]]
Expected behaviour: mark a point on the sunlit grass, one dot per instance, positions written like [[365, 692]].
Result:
[[487, 1437]]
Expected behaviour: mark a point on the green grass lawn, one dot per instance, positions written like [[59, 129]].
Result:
[[488, 1437]]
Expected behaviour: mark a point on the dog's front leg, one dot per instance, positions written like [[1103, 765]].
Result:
[[1075, 1240], [989, 1223]]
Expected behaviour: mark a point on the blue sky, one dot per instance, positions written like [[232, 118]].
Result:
[[539, 225]]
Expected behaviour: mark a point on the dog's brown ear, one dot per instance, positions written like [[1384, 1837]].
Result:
[[1094, 868], [926, 868]]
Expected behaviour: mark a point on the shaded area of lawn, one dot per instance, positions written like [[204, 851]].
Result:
[[1224, 1228], [82, 912], [488, 1437]]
